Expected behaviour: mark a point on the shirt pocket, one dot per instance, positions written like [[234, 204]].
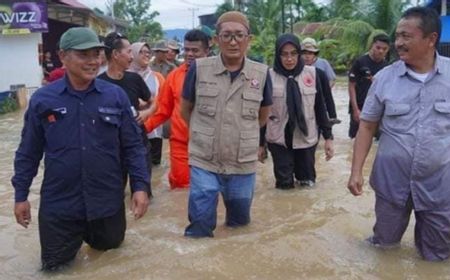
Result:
[[248, 146], [55, 130], [207, 101], [441, 125], [108, 129], [250, 104], [202, 142], [397, 117]]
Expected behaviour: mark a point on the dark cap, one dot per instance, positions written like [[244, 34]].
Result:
[[79, 38]]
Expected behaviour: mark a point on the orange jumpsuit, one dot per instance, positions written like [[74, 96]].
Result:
[[168, 104]]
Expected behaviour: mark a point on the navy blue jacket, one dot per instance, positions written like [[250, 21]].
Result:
[[87, 138]]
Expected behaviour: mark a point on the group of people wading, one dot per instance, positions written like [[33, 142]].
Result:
[[224, 110]]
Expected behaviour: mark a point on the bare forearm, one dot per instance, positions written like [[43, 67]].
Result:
[[352, 95], [263, 115], [363, 142], [186, 110]]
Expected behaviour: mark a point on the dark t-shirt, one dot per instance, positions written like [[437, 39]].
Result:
[[133, 85], [48, 67], [362, 71], [191, 77]]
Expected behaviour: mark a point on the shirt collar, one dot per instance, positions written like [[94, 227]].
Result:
[[438, 67], [220, 67], [64, 86]]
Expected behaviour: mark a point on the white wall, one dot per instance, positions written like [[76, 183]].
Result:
[[19, 60]]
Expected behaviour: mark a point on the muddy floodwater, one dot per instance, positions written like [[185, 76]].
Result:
[[315, 233]]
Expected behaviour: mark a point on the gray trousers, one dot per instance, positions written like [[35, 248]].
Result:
[[431, 232]]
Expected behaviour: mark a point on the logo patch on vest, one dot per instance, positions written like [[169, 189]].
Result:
[[254, 83], [308, 80]]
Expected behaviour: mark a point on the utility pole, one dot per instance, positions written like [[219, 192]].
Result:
[[193, 16]]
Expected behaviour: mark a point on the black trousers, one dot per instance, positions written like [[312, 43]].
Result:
[[62, 239], [288, 162], [155, 151]]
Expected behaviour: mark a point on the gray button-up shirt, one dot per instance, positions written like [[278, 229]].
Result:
[[413, 156]]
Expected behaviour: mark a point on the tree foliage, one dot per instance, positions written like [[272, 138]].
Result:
[[137, 13]]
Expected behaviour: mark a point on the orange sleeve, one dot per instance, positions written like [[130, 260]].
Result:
[[164, 104]]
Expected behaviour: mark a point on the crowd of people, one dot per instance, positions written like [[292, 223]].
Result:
[[100, 130]]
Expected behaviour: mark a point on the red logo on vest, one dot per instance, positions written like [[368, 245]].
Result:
[[308, 80], [254, 84]]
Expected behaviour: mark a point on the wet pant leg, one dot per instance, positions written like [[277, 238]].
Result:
[[283, 165], [106, 233], [60, 240], [203, 199], [179, 174], [304, 163], [391, 222], [353, 128], [432, 234], [237, 192], [156, 145]]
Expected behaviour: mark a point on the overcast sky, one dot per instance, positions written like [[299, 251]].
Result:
[[172, 13]]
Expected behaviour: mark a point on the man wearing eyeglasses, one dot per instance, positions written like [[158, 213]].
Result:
[[226, 99], [85, 128], [168, 107], [119, 55]]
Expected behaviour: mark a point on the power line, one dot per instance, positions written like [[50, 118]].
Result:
[[197, 5]]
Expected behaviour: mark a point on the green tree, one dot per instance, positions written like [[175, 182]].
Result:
[[137, 13]]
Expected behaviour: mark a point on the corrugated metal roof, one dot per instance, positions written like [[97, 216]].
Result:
[[73, 3]]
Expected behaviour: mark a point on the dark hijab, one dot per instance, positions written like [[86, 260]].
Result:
[[293, 96]]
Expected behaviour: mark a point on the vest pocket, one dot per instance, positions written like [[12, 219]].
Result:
[[248, 146], [202, 142], [250, 105], [207, 101]]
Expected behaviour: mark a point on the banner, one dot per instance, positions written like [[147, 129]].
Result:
[[23, 17]]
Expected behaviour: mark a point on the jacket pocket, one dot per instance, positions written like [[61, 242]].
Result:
[[248, 146], [202, 142]]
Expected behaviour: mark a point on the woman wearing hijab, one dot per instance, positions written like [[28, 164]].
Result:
[[297, 115], [154, 80]]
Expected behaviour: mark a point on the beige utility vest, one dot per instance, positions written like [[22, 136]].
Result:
[[278, 116], [224, 124]]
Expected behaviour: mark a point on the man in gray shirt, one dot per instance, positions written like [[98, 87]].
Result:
[[410, 100]]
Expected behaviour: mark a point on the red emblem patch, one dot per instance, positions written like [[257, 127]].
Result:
[[308, 81], [254, 83]]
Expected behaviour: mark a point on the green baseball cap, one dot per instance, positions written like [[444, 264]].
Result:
[[79, 38]]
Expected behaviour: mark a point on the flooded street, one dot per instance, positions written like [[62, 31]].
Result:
[[315, 233]]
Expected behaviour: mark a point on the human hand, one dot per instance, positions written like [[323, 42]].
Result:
[[262, 154], [355, 115], [23, 213], [355, 183], [329, 149], [139, 204]]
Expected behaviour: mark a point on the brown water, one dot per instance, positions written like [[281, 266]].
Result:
[[297, 234]]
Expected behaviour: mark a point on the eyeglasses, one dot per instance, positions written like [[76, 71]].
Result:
[[287, 55], [145, 52], [238, 37]]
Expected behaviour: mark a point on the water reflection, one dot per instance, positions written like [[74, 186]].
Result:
[[296, 234]]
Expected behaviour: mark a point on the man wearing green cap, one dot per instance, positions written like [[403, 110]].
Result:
[[84, 127]]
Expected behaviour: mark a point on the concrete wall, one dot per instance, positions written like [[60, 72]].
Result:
[[19, 60]]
